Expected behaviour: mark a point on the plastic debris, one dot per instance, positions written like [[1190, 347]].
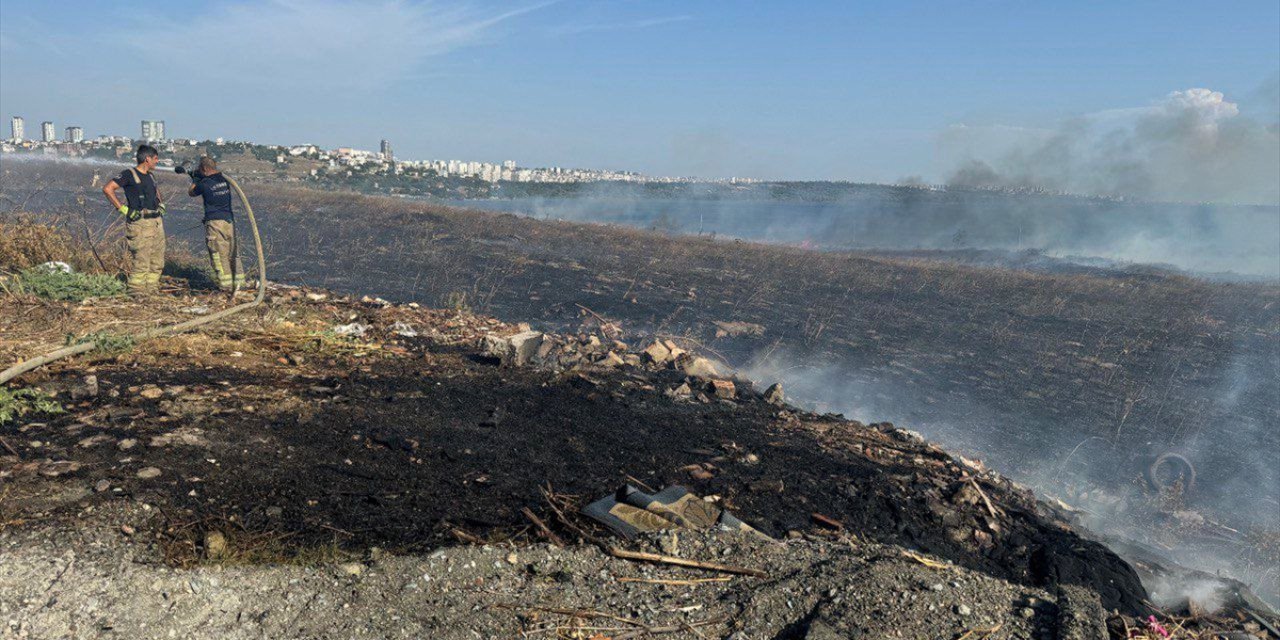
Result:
[[353, 329], [404, 329], [57, 266]]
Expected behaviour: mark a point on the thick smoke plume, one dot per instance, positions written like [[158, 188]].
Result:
[[1194, 146]]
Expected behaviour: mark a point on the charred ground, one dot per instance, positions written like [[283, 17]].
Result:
[[406, 444], [1084, 375], [1042, 365], [296, 445]]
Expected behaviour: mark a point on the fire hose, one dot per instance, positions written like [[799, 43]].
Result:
[[146, 334]]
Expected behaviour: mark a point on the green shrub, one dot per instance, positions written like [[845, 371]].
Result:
[[107, 342], [15, 403], [73, 287]]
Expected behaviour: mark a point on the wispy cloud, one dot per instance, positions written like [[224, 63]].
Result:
[[632, 25], [336, 44]]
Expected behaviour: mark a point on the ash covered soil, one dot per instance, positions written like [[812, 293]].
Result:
[[273, 478], [304, 452], [1072, 378]]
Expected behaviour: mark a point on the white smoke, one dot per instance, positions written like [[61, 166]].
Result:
[[1174, 591], [1204, 106], [1192, 146]]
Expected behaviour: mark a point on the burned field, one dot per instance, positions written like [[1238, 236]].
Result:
[[289, 444], [296, 446], [1073, 381], [1089, 376]]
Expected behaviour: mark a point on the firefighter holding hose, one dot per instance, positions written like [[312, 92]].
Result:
[[143, 211], [219, 227]]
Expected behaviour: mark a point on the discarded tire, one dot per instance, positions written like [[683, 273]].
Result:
[[1167, 469]]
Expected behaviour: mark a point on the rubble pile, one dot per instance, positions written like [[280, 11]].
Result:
[[587, 352]]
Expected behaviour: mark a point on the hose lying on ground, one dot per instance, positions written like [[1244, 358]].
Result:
[[146, 334]]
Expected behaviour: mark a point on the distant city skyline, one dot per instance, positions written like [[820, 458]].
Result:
[[873, 92]]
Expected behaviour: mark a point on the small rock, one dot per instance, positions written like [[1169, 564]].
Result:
[[670, 543], [351, 568], [819, 630], [906, 435], [774, 395], [517, 350], [697, 367], [127, 530], [102, 485], [151, 393], [963, 610], [722, 389], [148, 472], [657, 353], [676, 351], [682, 391], [698, 472], [274, 512], [1027, 612], [88, 388], [126, 444], [544, 350], [94, 440], [512, 558]]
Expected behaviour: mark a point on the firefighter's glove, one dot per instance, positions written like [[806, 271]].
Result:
[[130, 214], [162, 210]]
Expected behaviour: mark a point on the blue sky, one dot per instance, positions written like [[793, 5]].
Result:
[[862, 91]]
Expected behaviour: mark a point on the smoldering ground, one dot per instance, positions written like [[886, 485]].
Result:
[[1205, 239], [1099, 472]]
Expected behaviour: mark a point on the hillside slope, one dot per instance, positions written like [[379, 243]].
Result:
[[298, 445]]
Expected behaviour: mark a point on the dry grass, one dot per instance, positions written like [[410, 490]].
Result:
[[188, 545], [26, 242]]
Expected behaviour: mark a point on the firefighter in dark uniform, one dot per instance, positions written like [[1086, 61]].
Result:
[[143, 211], [219, 225]]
